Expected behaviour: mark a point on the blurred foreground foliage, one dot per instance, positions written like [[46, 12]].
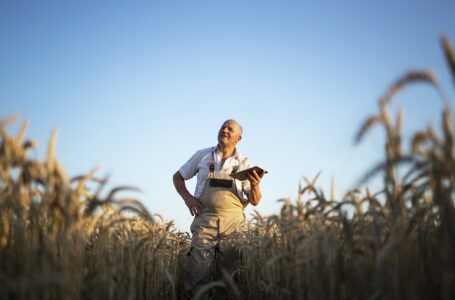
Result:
[[59, 240]]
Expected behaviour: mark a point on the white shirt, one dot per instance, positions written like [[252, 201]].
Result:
[[199, 164]]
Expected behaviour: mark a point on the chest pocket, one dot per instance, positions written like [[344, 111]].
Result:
[[224, 183]]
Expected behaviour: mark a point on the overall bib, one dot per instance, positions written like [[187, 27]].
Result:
[[221, 219]]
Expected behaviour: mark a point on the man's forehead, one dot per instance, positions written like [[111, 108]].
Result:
[[231, 123]]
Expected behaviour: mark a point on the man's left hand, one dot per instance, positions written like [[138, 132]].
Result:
[[254, 178]]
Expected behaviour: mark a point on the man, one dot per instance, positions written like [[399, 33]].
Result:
[[218, 206]]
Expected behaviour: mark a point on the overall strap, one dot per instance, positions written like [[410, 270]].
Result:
[[212, 164]]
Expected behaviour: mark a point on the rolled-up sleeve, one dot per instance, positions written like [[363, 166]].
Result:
[[190, 168]]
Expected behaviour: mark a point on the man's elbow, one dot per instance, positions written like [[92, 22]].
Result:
[[254, 203], [177, 177]]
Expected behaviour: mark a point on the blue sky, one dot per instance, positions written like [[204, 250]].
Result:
[[137, 87]]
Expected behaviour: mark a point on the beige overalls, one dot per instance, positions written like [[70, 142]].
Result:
[[221, 219]]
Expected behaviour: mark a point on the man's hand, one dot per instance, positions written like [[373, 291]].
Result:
[[194, 205], [254, 178], [255, 193]]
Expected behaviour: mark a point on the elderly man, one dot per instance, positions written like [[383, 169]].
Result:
[[218, 206]]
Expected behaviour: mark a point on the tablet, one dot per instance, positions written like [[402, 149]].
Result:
[[242, 175]]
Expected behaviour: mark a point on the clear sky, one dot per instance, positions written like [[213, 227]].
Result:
[[138, 86]]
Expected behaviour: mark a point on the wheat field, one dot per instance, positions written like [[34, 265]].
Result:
[[66, 237]]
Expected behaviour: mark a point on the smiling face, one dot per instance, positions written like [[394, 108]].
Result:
[[230, 133]]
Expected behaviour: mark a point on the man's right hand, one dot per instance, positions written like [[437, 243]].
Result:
[[194, 205]]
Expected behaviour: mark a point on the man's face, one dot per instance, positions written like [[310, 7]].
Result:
[[229, 133]]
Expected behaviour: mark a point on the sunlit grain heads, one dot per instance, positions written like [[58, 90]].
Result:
[[413, 76], [12, 152], [91, 205], [136, 206], [21, 135], [114, 191], [394, 132], [310, 184], [61, 173], [81, 189], [332, 189], [418, 140], [51, 151], [30, 144], [447, 126], [366, 126], [4, 230], [449, 54], [397, 133], [6, 121]]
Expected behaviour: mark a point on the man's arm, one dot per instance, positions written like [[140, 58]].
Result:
[[194, 205], [255, 192]]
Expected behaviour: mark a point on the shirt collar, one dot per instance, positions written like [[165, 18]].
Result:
[[215, 150]]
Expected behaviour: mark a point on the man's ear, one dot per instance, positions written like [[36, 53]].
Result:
[[239, 138]]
